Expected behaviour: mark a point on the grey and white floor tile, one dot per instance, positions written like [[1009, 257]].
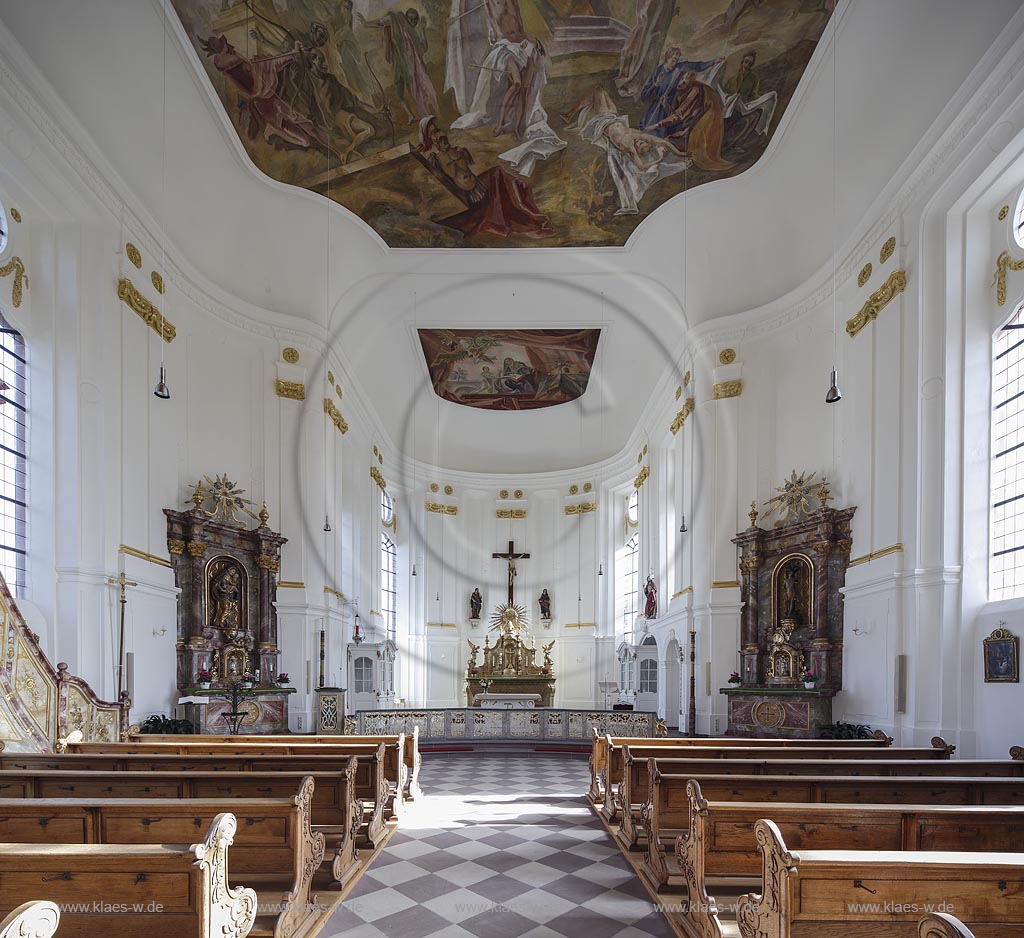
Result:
[[502, 846]]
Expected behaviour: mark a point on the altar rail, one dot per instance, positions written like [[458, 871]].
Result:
[[460, 724], [40, 703]]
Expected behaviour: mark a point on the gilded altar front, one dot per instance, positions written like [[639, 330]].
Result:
[[510, 665]]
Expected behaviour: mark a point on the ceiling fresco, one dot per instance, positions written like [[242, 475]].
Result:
[[504, 123], [509, 369]]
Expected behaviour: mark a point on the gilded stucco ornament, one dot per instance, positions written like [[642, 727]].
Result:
[[340, 423], [17, 267], [157, 281], [290, 355], [726, 389], [573, 489], [502, 494], [686, 379], [864, 275], [438, 509], [679, 392], [878, 300], [727, 356], [378, 478], [448, 490], [134, 255], [1003, 212], [293, 390], [434, 487], [16, 215], [516, 513], [583, 508], [146, 311], [642, 476], [330, 377], [887, 250], [588, 486], [679, 421], [1003, 263], [518, 493]]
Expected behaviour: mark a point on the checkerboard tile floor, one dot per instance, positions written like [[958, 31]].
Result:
[[503, 846]]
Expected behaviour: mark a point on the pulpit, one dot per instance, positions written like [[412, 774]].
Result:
[[792, 619]]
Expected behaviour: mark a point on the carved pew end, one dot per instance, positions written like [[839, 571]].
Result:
[[941, 925], [37, 919]]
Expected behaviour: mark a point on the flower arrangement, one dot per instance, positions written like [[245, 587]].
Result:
[[472, 672], [543, 670], [204, 677], [282, 678], [735, 678], [247, 678], [809, 677]]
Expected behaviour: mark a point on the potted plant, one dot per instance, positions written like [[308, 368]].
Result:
[[204, 678], [282, 678], [472, 672], [809, 678], [247, 679], [735, 678]]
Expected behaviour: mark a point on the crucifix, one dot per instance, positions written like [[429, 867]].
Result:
[[511, 556], [123, 582]]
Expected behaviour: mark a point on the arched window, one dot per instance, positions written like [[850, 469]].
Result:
[[388, 584], [649, 676], [13, 457], [628, 581], [1018, 222], [362, 673], [633, 508], [1006, 566], [387, 508]]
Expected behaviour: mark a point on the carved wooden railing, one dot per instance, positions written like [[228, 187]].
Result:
[[41, 704]]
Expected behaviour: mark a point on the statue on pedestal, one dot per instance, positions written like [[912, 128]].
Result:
[[476, 603], [545, 604]]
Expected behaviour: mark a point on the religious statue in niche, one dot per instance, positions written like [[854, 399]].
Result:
[[225, 595], [476, 603], [545, 604], [651, 594]]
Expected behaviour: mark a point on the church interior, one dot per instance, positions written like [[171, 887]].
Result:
[[512, 468]]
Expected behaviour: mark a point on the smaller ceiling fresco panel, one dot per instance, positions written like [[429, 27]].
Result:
[[503, 123], [509, 369]]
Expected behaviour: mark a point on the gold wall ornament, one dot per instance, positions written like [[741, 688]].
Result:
[[330, 377], [864, 275], [380, 458], [265, 562], [502, 494], [727, 356], [438, 509], [752, 514], [794, 495], [148, 312], [16, 215], [175, 546], [644, 451], [876, 554], [448, 490], [335, 416], [1003, 212], [292, 390], [583, 508], [887, 250], [375, 450], [518, 493], [679, 421], [1003, 263], [222, 500], [516, 513], [642, 476], [290, 355], [686, 379], [337, 390], [878, 300], [434, 487], [573, 489], [196, 548], [679, 392], [17, 267], [725, 584], [291, 584], [726, 389], [336, 593], [378, 478], [157, 281], [134, 255], [143, 555], [588, 486]]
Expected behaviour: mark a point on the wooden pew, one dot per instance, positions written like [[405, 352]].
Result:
[[601, 742], [632, 790], [275, 850], [394, 761], [718, 842], [37, 919], [334, 810], [615, 754], [371, 782], [410, 747], [942, 925], [855, 893], [106, 889]]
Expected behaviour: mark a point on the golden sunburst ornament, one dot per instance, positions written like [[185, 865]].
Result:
[[794, 496], [509, 618], [224, 499]]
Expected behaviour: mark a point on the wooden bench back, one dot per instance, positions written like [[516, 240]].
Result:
[[832, 892], [99, 886]]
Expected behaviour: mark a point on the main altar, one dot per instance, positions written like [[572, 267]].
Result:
[[509, 667]]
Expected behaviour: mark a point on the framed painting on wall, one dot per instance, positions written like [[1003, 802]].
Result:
[[1002, 657]]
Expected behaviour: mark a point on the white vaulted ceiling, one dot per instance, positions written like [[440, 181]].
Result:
[[752, 239]]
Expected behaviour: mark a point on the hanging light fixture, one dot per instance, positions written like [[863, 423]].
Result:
[[161, 390], [357, 636], [600, 569], [414, 568], [682, 527], [834, 395], [327, 524]]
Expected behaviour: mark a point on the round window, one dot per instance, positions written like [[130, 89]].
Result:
[[3, 230], [1018, 221]]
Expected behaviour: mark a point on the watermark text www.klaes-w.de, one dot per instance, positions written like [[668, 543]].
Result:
[[900, 908]]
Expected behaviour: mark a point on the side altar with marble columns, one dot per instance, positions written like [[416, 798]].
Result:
[[792, 620]]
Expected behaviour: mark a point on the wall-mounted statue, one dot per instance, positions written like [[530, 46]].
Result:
[[545, 604], [476, 603], [651, 605]]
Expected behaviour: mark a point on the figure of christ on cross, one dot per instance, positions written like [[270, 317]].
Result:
[[511, 556]]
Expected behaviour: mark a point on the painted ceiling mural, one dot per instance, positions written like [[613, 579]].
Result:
[[504, 123], [509, 369]]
